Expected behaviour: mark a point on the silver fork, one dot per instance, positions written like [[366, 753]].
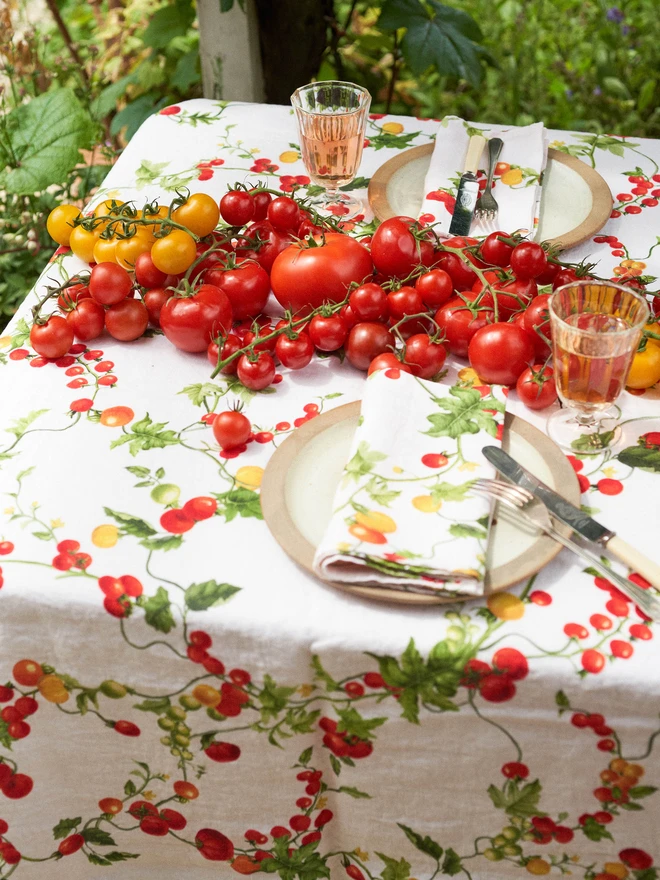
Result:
[[534, 511], [487, 207]]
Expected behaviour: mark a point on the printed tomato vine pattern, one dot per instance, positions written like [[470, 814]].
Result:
[[483, 659]]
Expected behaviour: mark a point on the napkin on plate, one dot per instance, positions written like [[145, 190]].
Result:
[[403, 511], [517, 186]]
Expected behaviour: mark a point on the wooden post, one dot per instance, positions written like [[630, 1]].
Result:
[[229, 50]]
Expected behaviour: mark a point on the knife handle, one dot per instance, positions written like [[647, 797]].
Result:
[[475, 149], [635, 560]]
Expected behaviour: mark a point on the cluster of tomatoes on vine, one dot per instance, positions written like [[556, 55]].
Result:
[[400, 298]]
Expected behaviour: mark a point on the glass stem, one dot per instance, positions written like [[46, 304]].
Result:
[[332, 194]]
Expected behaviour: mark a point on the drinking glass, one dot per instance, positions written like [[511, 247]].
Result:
[[332, 117], [596, 327]]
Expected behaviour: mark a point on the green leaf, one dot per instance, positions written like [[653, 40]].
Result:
[[589, 442], [562, 700], [43, 536], [106, 101], [239, 502], [138, 471], [47, 134], [321, 674], [5, 739], [299, 720], [306, 756], [167, 23], [117, 856], [205, 595], [352, 723], [356, 183], [394, 870], [639, 457], [167, 542], [465, 414], [362, 462], [645, 96], [200, 391], [464, 530], [335, 763], [186, 72], [144, 435], [130, 525], [451, 491], [21, 334], [65, 826], [273, 698], [515, 801], [631, 806], [353, 792], [436, 35], [423, 844], [157, 705], [157, 610], [641, 791], [96, 859], [452, 864], [379, 492], [20, 426], [97, 837], [129, 788]]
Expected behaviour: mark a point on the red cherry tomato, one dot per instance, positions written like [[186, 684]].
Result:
[[73, 294], [459, 324], [256, 374], [87, 319], [109, 283], [566, 276], [400, 245], [52, 339], [154, 300], [461, 275], [294, 352], [387, 361], [237, 207], [284, 214], [127, 320], [247, 287], [425, 358], [536, 320], [365, 341], [404, 301], [369, 302], [231, 429], [263, 243], [500, 353], [436, 288], [253, 338], [146, 274], [528, 259], [191, 322], [328, 333], [496, 252], [231, 345], [536, 387], [303, 277], [261, 202]]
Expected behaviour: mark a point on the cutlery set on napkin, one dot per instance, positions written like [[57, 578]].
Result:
[[456, 201], [413, 507]]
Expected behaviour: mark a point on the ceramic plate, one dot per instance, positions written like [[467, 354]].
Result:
[[297, 495], [575, 202]]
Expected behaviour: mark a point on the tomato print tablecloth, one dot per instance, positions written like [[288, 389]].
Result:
[[243, 717]]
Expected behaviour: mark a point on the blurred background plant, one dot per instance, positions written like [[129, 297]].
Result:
[[79, 73]]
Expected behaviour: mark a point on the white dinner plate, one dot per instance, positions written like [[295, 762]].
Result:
[[575, 200], [300, 481]]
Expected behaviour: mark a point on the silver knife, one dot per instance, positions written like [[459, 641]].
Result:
[[468, 189], [573, 517]]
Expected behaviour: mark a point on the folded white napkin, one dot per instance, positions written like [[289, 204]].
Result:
[[403, 511], [517, 188]]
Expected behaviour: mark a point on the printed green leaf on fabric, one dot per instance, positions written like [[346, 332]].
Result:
[[466, 413], [146, 434], [640, 457], [423, 844], [354, 724], [363, 462], [238, 502], [394, 869], [130, 525], [205, 595], [158, 610], [65, 826], [516, 800], [20, 426]]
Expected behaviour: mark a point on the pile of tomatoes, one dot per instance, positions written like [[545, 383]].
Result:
[[402, 299]]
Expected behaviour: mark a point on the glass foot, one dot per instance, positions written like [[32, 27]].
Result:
[[574, 432], [339, 205]]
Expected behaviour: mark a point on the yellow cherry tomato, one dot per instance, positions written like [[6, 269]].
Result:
[[249, 476], [129, 249], [51, 688], [105, 250], [374, 519], [207, 695], [506, 606], [60, 223], [289, 156], [512, 177], [106, 535], [5, 341], [108, 206], [174, 253], [426, 504], [616, 869], [82, 243], [645, 369], [200, 214]]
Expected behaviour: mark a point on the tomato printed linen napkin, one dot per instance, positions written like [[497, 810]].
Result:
[[403, 510], [517, 175]]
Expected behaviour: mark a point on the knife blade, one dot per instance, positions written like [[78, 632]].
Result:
[[468, 189], [573, 517]]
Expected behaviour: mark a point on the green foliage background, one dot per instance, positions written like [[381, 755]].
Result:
[[575, 64]]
